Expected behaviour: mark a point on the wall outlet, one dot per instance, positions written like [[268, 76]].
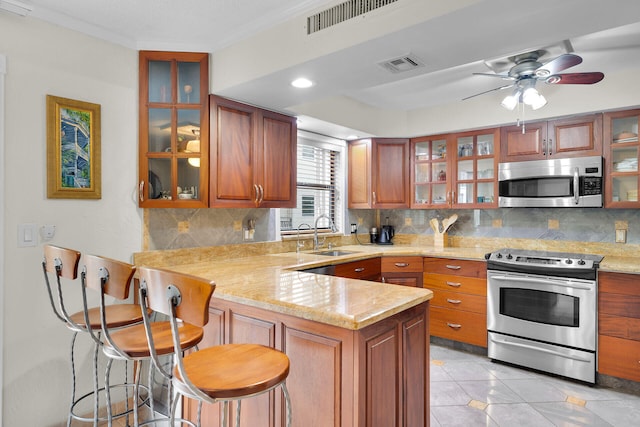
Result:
[[621, 236]]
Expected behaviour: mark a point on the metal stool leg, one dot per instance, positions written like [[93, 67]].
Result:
[[238, 403], [73, 379], [287, 401]]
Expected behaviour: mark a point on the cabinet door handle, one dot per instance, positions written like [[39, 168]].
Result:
[[454, 284], [453, 267], [359, 269], [454, 325], [141, 191], [255, 193], [261, 199], [549, 145], [453, 301], [374, 197], [402, 264], [544, 147], [383, 280]]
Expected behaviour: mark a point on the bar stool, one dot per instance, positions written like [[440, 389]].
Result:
[[63, 263], [131, 343], [112, 278], [215, 374]]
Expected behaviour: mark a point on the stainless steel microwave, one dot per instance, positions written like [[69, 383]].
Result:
[[573, 182]]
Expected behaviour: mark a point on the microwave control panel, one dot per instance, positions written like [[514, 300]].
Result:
[[591, 185]]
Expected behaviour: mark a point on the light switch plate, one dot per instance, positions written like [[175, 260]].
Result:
[[621, 236], [27, 235]]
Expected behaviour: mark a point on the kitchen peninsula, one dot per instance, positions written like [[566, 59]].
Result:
[[359, 350]]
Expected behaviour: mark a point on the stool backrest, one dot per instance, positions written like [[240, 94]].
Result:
[[63, 263], [195, 294], [114, 275]]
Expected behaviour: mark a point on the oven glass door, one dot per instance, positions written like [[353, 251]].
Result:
[[550, 309], [538, 306]]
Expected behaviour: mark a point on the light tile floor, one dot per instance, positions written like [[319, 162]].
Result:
[[470, 390]]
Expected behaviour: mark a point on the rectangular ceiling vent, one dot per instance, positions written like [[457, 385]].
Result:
[[342, 12], [402, 64]]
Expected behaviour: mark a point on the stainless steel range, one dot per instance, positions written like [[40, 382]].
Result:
[[542, 312]]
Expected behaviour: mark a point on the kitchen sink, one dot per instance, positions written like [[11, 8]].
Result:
[[334, 253]]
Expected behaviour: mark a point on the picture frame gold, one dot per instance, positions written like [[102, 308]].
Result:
[[73, 149]]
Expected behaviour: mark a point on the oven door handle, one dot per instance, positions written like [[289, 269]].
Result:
[[543, 350], [540, 281]]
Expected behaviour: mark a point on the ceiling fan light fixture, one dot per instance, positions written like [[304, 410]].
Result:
[[510, 101], [532, 98]]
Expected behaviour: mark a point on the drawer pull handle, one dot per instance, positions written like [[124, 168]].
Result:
[[454, 325], [453, 301], [453, 267], [454, 284], [359, 270], [402, 264]]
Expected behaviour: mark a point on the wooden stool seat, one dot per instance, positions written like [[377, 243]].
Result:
[[118, 315], [235, 370], [133, 340]]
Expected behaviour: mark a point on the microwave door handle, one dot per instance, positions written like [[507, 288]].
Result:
[[576, 186]]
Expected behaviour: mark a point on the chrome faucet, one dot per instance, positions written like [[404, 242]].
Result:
[[316, 244], [299, 244]]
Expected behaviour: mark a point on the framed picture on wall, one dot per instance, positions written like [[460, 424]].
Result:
[[73, 149]]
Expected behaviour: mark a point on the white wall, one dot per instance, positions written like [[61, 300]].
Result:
[[44, 59]]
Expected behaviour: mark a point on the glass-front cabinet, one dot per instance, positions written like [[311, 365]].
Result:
[[621, 156], [174, 131], [455, 170], [475, 169], [429, 172]]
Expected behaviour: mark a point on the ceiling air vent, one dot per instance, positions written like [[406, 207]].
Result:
[[401, 64], [342, 12]]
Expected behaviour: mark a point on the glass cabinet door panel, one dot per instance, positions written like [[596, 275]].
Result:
[[625, 129], [189, 82], [159, 129], [485, 145], [188, 179], [422, 194], [465, 146], [625, 188], [159, 179], [439, 194], [188, 130], [439, 149], [159, 81], [422, 173], [422, 151], [465, 194], [625, 159], [485, 192], [465, 170], [439, 172], [485, 168]]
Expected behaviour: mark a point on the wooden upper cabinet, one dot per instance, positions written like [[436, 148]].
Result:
[[253, 156], [379, 173], [173, 130], [621, 153], [568, 137]]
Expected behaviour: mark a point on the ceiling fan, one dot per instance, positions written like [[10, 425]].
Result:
[[528, 70]]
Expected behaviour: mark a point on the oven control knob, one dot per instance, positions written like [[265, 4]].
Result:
[[569, 261], [499, 255], [581, 262], [509, 256]]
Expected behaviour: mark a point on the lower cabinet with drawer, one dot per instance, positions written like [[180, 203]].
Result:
[[402, 270], [619, 325], [459, 304], [366, 269]]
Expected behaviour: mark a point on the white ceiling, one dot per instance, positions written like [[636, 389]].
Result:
[[606, 34]]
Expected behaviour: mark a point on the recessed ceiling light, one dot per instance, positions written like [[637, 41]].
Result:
[[302, 83]]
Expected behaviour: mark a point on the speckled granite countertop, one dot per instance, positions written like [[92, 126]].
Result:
[[275, 282]]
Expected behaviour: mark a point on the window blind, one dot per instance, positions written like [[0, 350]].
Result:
[[319, 189]]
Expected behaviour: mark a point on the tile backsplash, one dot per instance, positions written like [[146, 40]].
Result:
[[186, 228]]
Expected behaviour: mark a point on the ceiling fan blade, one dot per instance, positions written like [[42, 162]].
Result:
[[575, 78], [502, 76], [558, 64], [490, 90]]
